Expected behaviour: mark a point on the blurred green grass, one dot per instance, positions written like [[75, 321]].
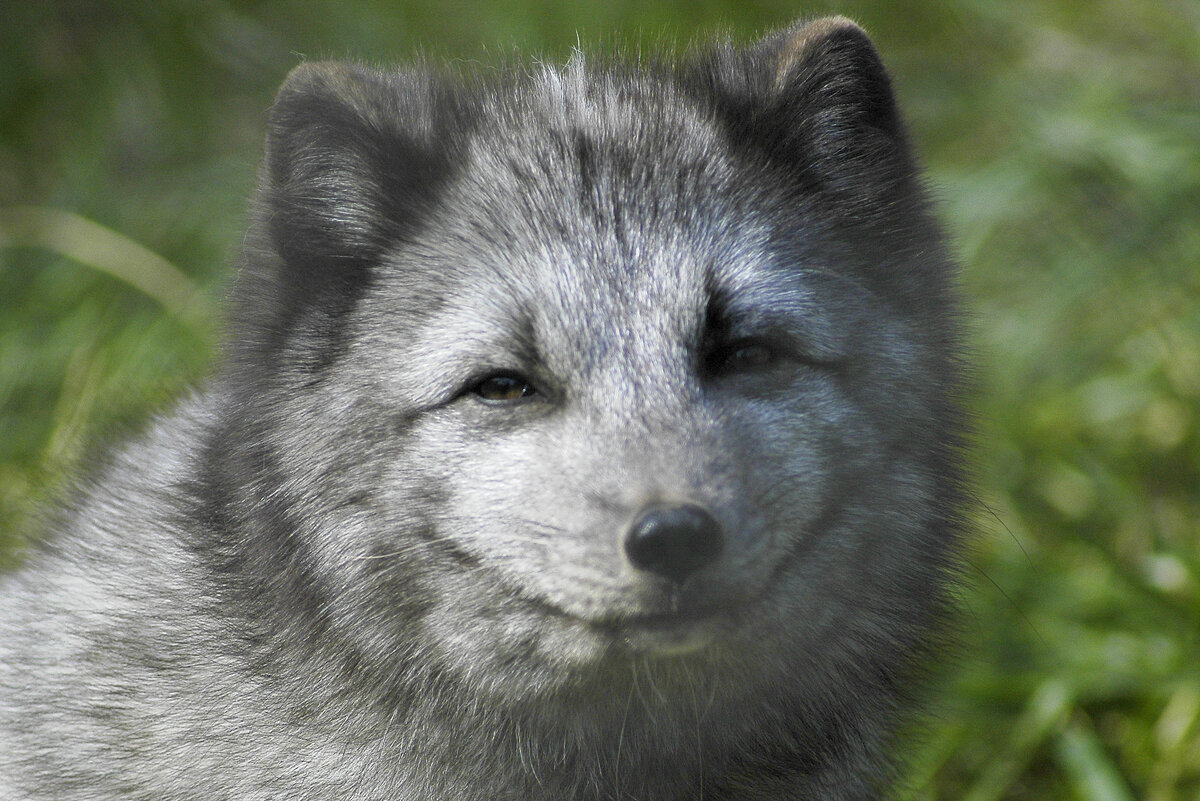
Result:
[[1063, 138]]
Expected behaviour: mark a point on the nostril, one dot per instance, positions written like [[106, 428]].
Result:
[[673, 541]]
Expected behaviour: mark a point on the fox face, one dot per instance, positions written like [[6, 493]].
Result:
[[594, 368]]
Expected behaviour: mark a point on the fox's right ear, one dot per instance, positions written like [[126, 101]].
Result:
[[353, 159], [356, 159]]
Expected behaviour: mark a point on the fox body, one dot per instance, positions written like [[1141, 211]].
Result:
[[583, 433]]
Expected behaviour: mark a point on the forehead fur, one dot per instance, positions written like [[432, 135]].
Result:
[[612, 102], [623, 154], [590, 172], [588, 207]]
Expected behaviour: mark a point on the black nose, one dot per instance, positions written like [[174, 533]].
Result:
[[673, 541]]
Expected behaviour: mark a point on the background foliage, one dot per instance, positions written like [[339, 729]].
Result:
[[1062, 135]]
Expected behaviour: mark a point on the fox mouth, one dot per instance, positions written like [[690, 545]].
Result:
[[671, 633], [667, 622], [667, 635]]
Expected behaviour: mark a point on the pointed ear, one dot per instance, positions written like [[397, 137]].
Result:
[[353, 162], [356, 160], [830, 67], [817, 98]]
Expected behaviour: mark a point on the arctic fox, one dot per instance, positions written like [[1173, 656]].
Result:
[[584, 432]]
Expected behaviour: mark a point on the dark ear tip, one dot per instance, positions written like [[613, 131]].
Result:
[[826, 27], [805, 40], [833, 58], [313, 92], [311, 77]]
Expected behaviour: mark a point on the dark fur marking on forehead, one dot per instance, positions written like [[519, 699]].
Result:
[[585, 160]]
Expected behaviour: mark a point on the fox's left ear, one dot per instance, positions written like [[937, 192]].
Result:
[[830, 67], [816, 96]]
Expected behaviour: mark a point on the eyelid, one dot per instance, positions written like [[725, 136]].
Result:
[[800, 321], [721, 358], [781, 347], [477, 388]]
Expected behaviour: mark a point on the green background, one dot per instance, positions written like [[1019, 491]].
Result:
[[1062, 137]]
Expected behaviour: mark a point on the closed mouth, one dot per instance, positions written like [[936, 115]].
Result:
[[668, 635], [665, 634]]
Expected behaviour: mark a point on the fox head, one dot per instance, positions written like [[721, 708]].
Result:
[[540, 375]]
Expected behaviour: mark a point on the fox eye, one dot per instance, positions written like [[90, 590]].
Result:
[[742, 357], [504, 388]]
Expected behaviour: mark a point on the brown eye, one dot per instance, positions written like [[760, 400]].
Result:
[[742, 357], [504, 388], [750, 357]]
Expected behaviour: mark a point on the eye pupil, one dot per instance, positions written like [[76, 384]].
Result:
[[749, 357], [504, 388], [743, 358]]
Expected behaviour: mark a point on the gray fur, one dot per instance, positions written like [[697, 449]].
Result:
[[340, 572]]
